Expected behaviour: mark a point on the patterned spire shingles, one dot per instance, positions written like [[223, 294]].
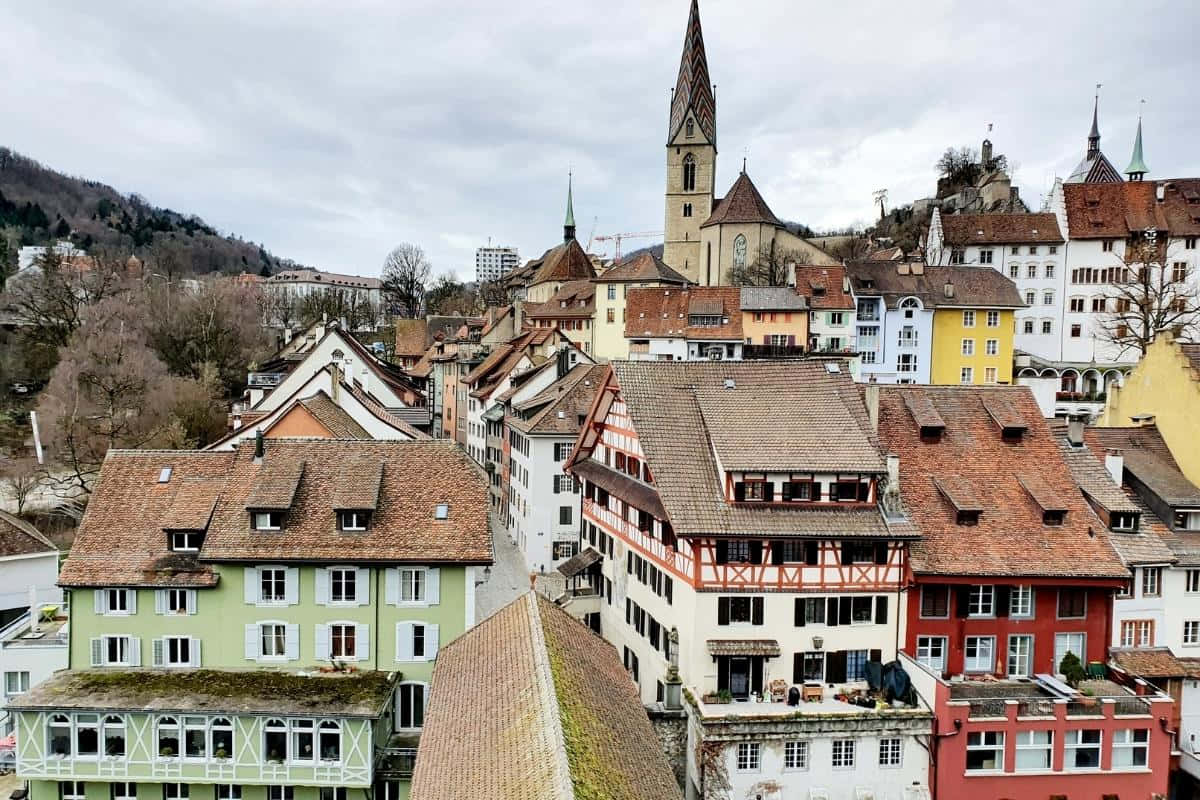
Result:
[[693, 89]]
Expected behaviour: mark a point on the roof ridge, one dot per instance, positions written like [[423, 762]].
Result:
[[543, 676]]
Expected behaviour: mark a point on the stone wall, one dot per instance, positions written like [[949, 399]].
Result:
[[671, 729]]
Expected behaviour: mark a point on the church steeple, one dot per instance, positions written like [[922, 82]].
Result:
[[569, 222], [1094, 136], [1137, 168], [1095, 167], [693, 88]]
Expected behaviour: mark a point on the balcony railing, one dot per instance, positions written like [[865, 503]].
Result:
[[398, 761], [1082, 397], [1044, 706], [265, 378]]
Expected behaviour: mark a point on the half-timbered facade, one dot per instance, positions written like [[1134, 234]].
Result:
[[739, 512]]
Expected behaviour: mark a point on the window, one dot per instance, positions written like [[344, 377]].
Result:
[[1107, 245], [1187, 520], [935, 602], [1192, 581], [229, 791], [1014, 270], [178, 601], [1031, 271], [272, 640], [1047, 327], [564, 515], [795, 755], [1034, 749], [333, 793], [562, 450], [175, 791], [1068, 643], [411, 702], [1047, 298], [689, 173], [114, 651], [1191, 631], [993, 319], [812, 665], [412, 585], [1030, 297], [687, 209], [302, 741], [837, 318], [931, 651], [957, 255], [16, 683], [1189, 243], [272, 583], [1077, 305], [966, 375], [890, 750], [843, 754], [118, 602], [168, 737], [985, 751], [353, 520], [71, 790], [1072, 603], [1130, 748], [221, 740], [992, 347], [749, 756], [267, 520], [121, 790], [981, 601], [185, 541], [612, 291], [990, 375], [342, 640], [1020, 601], [1027, 326], [862, 610], [280, 793], [1099, 305], [59, 735], [87, 735], [856, 665], [968, 319], [1151, 581], [1137, 633], [979, 653], [177, 651], [968, 347], [1050, 269], [1020, 655], [343, 585], [907, 362], [1081, 749], [195, 737]]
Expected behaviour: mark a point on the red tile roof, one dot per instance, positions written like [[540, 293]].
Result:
[[642, 267], [742, 203], [979, 229], [573, 299], [824, 287], [653, 312]]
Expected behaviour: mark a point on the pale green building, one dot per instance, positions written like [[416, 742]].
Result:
[[258, 624]]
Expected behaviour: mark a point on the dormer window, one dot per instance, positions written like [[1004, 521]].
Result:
[[801, 490], [1124, 521], [932, 434], [967, 517], [849, 490], [1187, 520], [1053, 517], [1012, 435], [753, 489], [185, 541], [353, 520], [266, 520]]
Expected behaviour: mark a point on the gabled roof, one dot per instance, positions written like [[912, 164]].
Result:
[[554, 715], [646, 267], [653, 312], [1148, 459], [772, 298], [982, 229], [411, 337], [972, 287], [1153, 662], [564, 262], [335, 419], [1108, 211], [573, 299], [18, 537], [1009, 539], [693, 88], [824, 287], [559, 405], [742, 203]]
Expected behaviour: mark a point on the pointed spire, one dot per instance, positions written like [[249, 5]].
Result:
[[569, 222], [1137, 168], [693, 89], [1094, 135]]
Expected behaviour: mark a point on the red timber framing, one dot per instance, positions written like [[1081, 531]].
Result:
[[677, 560], [808, 565]]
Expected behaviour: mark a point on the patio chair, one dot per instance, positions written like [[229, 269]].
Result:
[[779, 689]]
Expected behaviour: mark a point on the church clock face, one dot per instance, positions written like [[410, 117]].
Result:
[[739, 251]]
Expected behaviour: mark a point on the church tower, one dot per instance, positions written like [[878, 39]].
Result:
[[691, 154]]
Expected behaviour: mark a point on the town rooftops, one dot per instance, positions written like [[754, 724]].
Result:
[[643, 267], [772, 298], [742, 204], [19, 538], [707, 313], [824, 287], [1115, 210], [563, 262], [1016, 480], [335, 419], [259, 692], [411, 337], [121, 539], [1148, 459], [983, 229], [935, 287], [573, 299], [1152, 662], [557, 409], [334, 280], [532, 705]]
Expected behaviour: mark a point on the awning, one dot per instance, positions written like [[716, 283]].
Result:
[[634, 492], [743, 647], [579, 562]]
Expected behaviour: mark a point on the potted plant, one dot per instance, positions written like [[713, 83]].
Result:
[[709, 697], [167, 752], [724, 696], [220, 754], [273, 756]]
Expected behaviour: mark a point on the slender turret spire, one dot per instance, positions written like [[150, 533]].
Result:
[[1137, 168], [693, 89], [569, 222], [1094, 135]]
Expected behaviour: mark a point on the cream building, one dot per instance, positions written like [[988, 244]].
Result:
[[612, 290]]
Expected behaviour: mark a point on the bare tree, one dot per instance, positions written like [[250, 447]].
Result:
[[1149, 295], [406, 272], [772, 266], [53, 300], [19, 479]]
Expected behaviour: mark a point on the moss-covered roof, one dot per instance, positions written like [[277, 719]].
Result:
[[362, 694]]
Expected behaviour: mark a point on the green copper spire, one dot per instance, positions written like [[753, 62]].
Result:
[[1137, 165], [569, 223]]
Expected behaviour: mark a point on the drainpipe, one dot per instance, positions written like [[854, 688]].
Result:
[[378, 602]]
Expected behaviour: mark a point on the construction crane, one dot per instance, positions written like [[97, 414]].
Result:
[[616, 239], [592, 235]]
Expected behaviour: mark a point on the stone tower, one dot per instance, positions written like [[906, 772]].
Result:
[[691, 154]]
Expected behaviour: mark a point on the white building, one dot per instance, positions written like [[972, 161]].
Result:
[[894, 324], [684, 324], [26, 256], [491, 263]]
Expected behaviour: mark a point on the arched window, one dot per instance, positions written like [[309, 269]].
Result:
[[275, 740], [168, 737], [114, 736], [908, 306], [60, 735], [87, 735], [689, 173], [222, 738], [739, 251], [690, 128], [329, 741]]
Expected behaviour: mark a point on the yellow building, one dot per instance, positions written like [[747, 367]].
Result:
[[972, 344], [612, 287], [1164, 385], [775, 317]]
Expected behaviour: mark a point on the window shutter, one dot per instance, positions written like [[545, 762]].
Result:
[[132, 595], [404, 641], [157, 658], [881, 552], [98, 601], [777, 551], [391, 586], [755, 552], [321, 642], [1001, 601], [722, 673], [431, 642], [251, 641], [844, 606], [135, 651], [433, 586], [798, 668], [291, 586], [786, 491], [554, 483], [160, 601], [629, 562], [293, 642], [962, 597], [766, 338], [799, 614], [847, 558], [722, 610], [97, 651], [875, 655], [812, 553], [250, 588], [722, 551], [322, 586], [192, 600], [835, 667], [881, 611], [362, 585], [769, 491], [194, 644], [739, 491], [831, 611], [756, 611], [362, 642]]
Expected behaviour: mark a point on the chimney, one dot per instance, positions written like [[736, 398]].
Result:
[[335, 382], [871, 398], [948, 290], [1160, 192], [1114, 462], [362, 381], [1075, 431], [893, 470], [287, 336], [259, 450]]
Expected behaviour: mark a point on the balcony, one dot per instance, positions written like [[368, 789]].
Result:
[[1028, 699], [760, 351], [265, 379], [1081, 397], [397, 758]]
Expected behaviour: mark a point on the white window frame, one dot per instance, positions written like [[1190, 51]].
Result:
[[353, 521], [127, 790], [891, 752], [260, 575], [968, 319], [1022, 653], [976, 596], [796, 755], [1125, 743], [1151, 581], [990, 375], [22, 683], [104, 645], [979, 662], [966, 376], [261, 521], [981, 744], [262, 655], [333, 579], [1023, 609], [415, 600], [229, 791], [842, 753], [72, 790], [925, 650], [400, 728], [968, 347], [1027, 744], [993, 319], [749, 757], [166, 651], [1072, 744], [1192, 581], [1191, 632], [1069, 637], [355, 656], [991, 347], [128, 599]]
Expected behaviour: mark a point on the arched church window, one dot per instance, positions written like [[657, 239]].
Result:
[[691, 128], [739, 251], [689, 173]]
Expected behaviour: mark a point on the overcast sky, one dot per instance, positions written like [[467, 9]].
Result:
[[333, 131]]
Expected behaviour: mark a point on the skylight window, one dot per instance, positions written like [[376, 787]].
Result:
[[164, 475], [442, 511]]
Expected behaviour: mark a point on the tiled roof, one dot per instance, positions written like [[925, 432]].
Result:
[[579, 298], [808, 419], [824, 287], [1046, 496], [1114, 210], [335, 419], [693, 88], [561, 403], [664, 313], [1151, 662], [972, 286], [192, 507], [411, 337], [1148, 459], [959, 492], [121, 541], [332, 279], [553, 715], [772, 298], [18, 537], [579, 562], [1009, 538], [564, 262], [356, 486], [644, 267], [375, 407], [981, 229], [274, 485], [742, 203]]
